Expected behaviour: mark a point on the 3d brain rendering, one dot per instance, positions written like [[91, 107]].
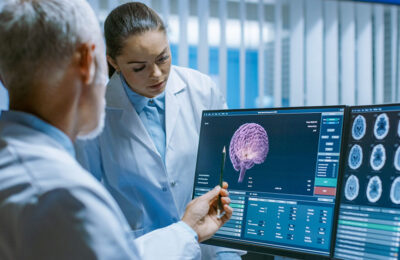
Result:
[[249, 145]]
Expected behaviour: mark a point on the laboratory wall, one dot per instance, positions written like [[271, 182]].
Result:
[[286, 52], [265, 53]]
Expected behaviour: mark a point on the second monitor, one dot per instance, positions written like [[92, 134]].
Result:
[[369, 215]]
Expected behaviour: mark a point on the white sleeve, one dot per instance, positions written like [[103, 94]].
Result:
[[175, 241]]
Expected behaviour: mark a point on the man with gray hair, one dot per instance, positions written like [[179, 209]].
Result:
[[52, 61]]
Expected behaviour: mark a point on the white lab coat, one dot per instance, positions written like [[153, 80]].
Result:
[[126, 160], [51, 208]]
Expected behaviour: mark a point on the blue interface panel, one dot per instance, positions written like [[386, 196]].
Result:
[[282, 168], [369, 215]]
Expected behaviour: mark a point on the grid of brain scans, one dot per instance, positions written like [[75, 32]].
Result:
[[369, 215]]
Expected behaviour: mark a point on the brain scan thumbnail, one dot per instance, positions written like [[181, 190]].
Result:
[[359, 127], [398, 129], [355, 157], [249, 145], [396, 160], [381, 128], [378, 157], [374, 189], [395, 191], [351, 188]]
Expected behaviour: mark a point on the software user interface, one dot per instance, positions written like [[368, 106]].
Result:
[[282, 169], [369, 215]]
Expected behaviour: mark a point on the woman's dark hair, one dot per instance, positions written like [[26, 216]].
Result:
[[129, 19]]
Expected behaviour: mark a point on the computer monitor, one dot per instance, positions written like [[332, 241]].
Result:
[[369, 215], [282, 166]]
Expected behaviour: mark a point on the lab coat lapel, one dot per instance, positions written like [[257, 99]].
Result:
[[175, 85], [130, 120]]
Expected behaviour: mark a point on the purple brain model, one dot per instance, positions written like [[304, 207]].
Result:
[[249, 146]]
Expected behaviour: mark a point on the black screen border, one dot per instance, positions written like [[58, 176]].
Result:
[[271, 250]]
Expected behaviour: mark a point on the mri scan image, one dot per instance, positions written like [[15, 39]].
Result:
[[352, 188], [378, 157], [374, 189], [396, 159], [381, 128], [359, 127], [395, 191], [355, 157], [398, 129]]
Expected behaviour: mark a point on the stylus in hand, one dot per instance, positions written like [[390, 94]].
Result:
[[221, 177]]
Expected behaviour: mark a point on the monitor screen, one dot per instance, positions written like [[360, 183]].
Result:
[[282, 167], [369, 215]]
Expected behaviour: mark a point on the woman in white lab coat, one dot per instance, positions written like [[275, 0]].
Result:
[[146, 155]]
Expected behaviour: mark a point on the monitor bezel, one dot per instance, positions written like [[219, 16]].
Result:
[[374, 106], [276, 250]]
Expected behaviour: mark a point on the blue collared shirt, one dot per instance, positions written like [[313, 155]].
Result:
[[40, 125], [152, 125]]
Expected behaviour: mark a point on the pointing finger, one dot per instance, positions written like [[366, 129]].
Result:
[[212, 194]]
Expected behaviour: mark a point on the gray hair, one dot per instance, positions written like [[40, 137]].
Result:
[[39, 37]]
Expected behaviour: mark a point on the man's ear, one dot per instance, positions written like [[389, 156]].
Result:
[[86, 62], [113, 63]]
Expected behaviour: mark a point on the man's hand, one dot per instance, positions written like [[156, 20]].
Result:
[[201, 213]]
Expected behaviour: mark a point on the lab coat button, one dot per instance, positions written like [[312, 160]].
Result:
[[173, 184], [164, 188]]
